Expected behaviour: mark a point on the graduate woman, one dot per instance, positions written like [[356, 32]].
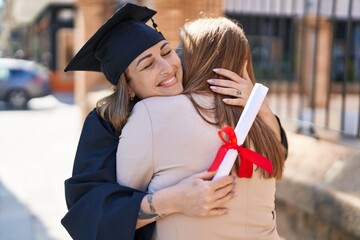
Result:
[[140, 63], [168, 139]]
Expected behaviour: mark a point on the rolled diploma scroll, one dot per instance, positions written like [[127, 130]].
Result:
[[243, 126]]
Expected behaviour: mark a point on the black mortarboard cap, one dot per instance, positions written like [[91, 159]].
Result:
[[122, 38]]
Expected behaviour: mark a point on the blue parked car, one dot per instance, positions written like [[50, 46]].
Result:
[[22, 80]]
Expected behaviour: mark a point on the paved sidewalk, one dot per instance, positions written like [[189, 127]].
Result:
[[37, 148], [16, 221], [37, 151]]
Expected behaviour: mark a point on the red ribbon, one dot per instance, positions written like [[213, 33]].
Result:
[[247, 156]]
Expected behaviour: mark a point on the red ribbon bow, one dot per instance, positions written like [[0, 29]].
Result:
[[247, 156]]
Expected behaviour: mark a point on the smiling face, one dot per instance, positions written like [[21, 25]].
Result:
[[156, 72]]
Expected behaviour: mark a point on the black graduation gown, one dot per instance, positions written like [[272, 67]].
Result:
[[99, 208], [283, 137]]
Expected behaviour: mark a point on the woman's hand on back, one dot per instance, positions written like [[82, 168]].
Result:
[[195, 196], [198, 196]]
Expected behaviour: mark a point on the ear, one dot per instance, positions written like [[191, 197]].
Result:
[[245, 73], [244, 67], [130, 91], [131, 94]]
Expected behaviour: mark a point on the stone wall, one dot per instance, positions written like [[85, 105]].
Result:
[[319, 197]]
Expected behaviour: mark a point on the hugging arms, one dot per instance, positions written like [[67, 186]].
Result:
[[100, 208]]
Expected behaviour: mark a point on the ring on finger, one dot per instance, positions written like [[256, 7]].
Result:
[[238, 93]]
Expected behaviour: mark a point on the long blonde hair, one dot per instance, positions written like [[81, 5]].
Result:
[[210, 43]]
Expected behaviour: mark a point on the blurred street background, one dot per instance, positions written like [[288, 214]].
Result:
[[306, 51], [37, 151]]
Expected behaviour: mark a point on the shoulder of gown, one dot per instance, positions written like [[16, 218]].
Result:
[[99, 208]]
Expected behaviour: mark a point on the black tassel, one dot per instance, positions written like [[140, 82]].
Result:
[[154, 25]]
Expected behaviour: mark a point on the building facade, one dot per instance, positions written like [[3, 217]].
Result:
[[307, 48]]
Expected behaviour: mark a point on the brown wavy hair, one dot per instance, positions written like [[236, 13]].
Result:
[[210, 43], [116, 107]]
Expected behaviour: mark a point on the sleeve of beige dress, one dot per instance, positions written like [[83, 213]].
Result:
[[134, 157]]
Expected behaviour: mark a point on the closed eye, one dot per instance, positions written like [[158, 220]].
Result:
[[147, 66], [167, 53]]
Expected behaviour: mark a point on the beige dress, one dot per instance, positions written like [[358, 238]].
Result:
[[165, 141]]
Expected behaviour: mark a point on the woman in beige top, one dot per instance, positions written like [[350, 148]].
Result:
[[168, 139]]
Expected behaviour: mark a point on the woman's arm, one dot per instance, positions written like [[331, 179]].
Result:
[[193, 196], [99, 208]]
